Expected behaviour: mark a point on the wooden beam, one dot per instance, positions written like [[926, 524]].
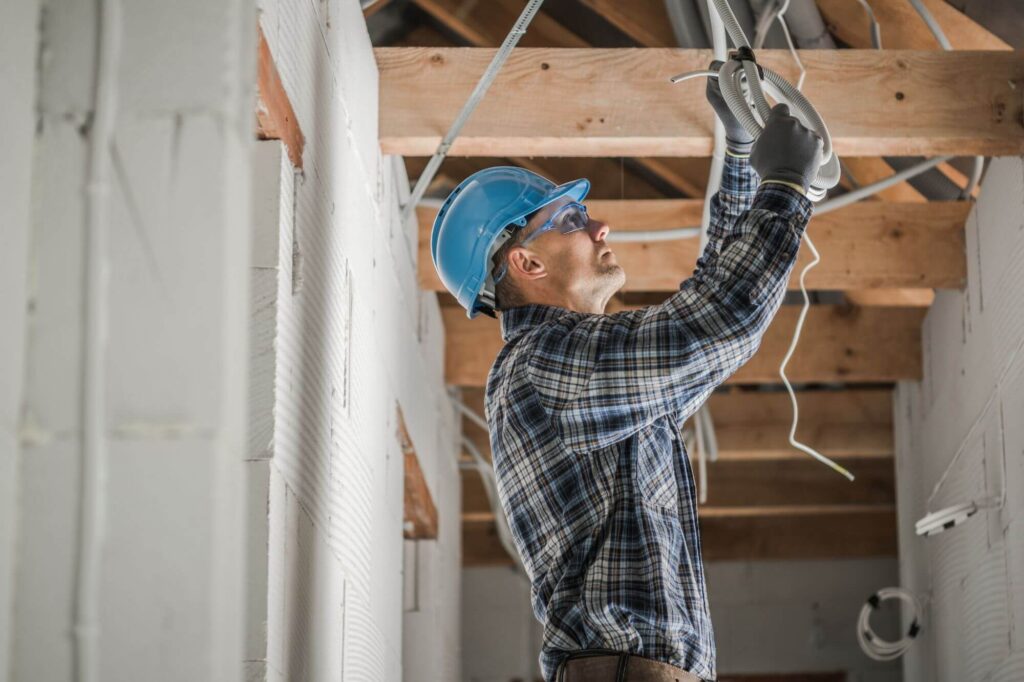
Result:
[[865, 170], [485, 24], [855, 424], [865, 245], [645, 21], [480, 26], [275, 117], [876, 102], [891, 297], [420, 516], [902, 27], [819, 533], [737, 487], [814, 535], [375, 7], [839, 344]]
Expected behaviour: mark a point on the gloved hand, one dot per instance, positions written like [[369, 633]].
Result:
[[786, 150], [737, 139]]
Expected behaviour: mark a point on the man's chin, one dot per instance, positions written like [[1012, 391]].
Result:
[[615, 275]]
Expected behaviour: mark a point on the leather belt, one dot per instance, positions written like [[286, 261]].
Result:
[[609, 666]]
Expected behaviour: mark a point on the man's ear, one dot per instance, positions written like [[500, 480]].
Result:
[[526, 263]]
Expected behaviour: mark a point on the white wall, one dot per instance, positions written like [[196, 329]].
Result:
[[769, 617], [18, 47], [170, 588], [355, 340], [967, 417]]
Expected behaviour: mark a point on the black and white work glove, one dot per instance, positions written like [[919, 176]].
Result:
[[786, 152], [737, 140]]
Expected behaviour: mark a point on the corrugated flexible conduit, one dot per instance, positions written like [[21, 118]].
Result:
[[93, 493]]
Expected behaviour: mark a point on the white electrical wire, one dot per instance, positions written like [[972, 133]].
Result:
[[876, 29], [874, 646], [92, 502]]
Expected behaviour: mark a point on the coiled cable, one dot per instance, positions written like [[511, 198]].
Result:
[[881, 649]]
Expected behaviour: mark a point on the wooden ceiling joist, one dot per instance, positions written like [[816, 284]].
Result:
[[865, 245], [876, 102], [780, 487], [839, 344], [835, 532], [901, 27], [853, 424]]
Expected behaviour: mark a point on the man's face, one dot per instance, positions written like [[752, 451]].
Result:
[[579, 263]]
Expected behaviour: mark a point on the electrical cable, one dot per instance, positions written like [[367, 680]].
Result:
[[876, 29], [427, 176], [874, 646], [742, 70], [92, 501], [940, 36], [932, 24]]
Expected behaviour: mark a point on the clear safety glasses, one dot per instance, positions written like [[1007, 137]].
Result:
[[568, 219]]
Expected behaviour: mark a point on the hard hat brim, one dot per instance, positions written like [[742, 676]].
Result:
[[576, 190]]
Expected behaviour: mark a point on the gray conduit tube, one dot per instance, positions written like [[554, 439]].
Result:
[[940, 36], [517, 31], [686, 24], [92, 501]]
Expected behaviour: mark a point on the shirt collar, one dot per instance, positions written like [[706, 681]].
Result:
[[517, 321]]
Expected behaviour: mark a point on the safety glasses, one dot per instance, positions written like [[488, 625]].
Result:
[[568, 219]]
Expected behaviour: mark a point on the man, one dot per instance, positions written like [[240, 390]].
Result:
[[584, 408]]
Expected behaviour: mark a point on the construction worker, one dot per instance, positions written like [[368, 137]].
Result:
[[584, 408]]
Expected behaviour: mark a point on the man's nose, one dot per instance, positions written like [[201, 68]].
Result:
[[598, 230]]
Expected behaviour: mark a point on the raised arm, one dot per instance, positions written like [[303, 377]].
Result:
[[603, 377]]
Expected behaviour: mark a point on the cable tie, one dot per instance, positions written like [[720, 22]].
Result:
[[874, 600], [914, 629]]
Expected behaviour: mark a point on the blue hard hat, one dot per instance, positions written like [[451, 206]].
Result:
[[474, 216]]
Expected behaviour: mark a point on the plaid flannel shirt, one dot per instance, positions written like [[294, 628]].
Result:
[[584, 411]]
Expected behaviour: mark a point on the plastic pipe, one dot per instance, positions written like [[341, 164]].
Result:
[[93, 495]]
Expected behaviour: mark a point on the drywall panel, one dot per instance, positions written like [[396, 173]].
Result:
[[960, 425], [350, 349], [177, 198]]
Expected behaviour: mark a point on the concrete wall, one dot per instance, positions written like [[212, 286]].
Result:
[[965, 417], [769, 617], [177, 200], [356, 339]]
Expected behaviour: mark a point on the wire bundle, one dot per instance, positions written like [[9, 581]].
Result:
[[874, 646]]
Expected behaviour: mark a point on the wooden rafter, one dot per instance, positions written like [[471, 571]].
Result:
[[811, 533], [420, 511], [275, 117], [865, 245], [839, 344], [902, 28], [754, 425], [876, 102], [484, 25]]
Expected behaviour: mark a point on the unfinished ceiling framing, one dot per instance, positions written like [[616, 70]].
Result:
[[572, 103]]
